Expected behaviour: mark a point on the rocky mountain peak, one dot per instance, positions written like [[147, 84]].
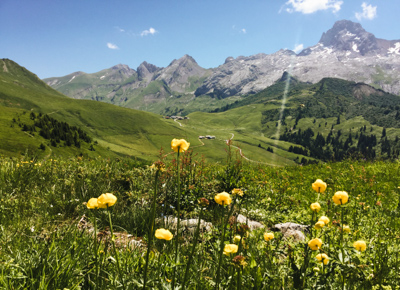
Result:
[[185, 60], [146, 70], [177, 73], [120, 67], [346, 35]]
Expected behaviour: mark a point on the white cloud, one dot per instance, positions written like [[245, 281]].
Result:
[[311, 6], [369, 12], [237, 30], [298, 48], [119, 29], [151, 31], [112, 46]]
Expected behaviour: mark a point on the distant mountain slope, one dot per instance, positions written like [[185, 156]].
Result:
[[137, 89], [123, 131], [329, 120], [345, 51]]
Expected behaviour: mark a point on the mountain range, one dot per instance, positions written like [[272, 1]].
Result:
[[345, 51]]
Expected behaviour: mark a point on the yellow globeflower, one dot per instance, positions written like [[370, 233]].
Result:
[[236, 239], [319, 225], [324, 219], [323, 258], [268, 236], [179, 144], [315, 244], [340, 197], [230, 249], [106, 200], [237, 191], [315, 206], [319, 186], [163, 234], [92, 203], [360, 246], [223, 198], [346, 229]]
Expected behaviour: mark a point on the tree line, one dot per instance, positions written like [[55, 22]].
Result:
[[335, 147], [57, 132]]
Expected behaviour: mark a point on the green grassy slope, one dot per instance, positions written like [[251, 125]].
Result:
[[121, 130]]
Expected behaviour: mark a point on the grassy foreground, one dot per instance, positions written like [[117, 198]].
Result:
[[47, 233]]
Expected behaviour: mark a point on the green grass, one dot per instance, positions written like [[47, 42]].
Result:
[[43, 248]]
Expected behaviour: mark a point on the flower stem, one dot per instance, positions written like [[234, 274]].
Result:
[[341, 242], [221, 249], [178, 223], [115, 250], [96, 250], [151, 230], [195, 239]]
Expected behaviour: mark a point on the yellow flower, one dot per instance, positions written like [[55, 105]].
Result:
[[223, 198], [163, 234], [324, 219], [106, 200], [230, 249], [236, 239], [360, 246], [158, 165], [315, 206], [323, 258], [179, 144], [268, 236], [315, 244], [346, 229], [340, 197], [319, 186], [237, 191], [92, 203], [319, 225]]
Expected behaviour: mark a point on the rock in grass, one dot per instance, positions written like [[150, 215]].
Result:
[[188, 224], [292, 230], [253, 225]]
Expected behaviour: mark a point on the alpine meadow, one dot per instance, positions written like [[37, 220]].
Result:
[[272, 171]]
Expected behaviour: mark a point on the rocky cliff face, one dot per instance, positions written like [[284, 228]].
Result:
[[178, 73], [346, 51], [123, 81]]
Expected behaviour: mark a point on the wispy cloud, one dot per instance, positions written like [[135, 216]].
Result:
[[151, 31], [112, 46], [298, 48], [311, 6], [369, 12], [236, 30], [119, 29]]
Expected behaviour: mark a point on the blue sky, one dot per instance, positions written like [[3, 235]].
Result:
[[57, 37]]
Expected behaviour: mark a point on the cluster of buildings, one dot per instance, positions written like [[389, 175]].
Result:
[[176, 117], [207, 137]]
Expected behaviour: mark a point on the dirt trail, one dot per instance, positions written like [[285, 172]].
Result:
[[243, 156]]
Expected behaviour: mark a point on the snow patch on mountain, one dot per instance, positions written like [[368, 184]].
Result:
[[395, 49]]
